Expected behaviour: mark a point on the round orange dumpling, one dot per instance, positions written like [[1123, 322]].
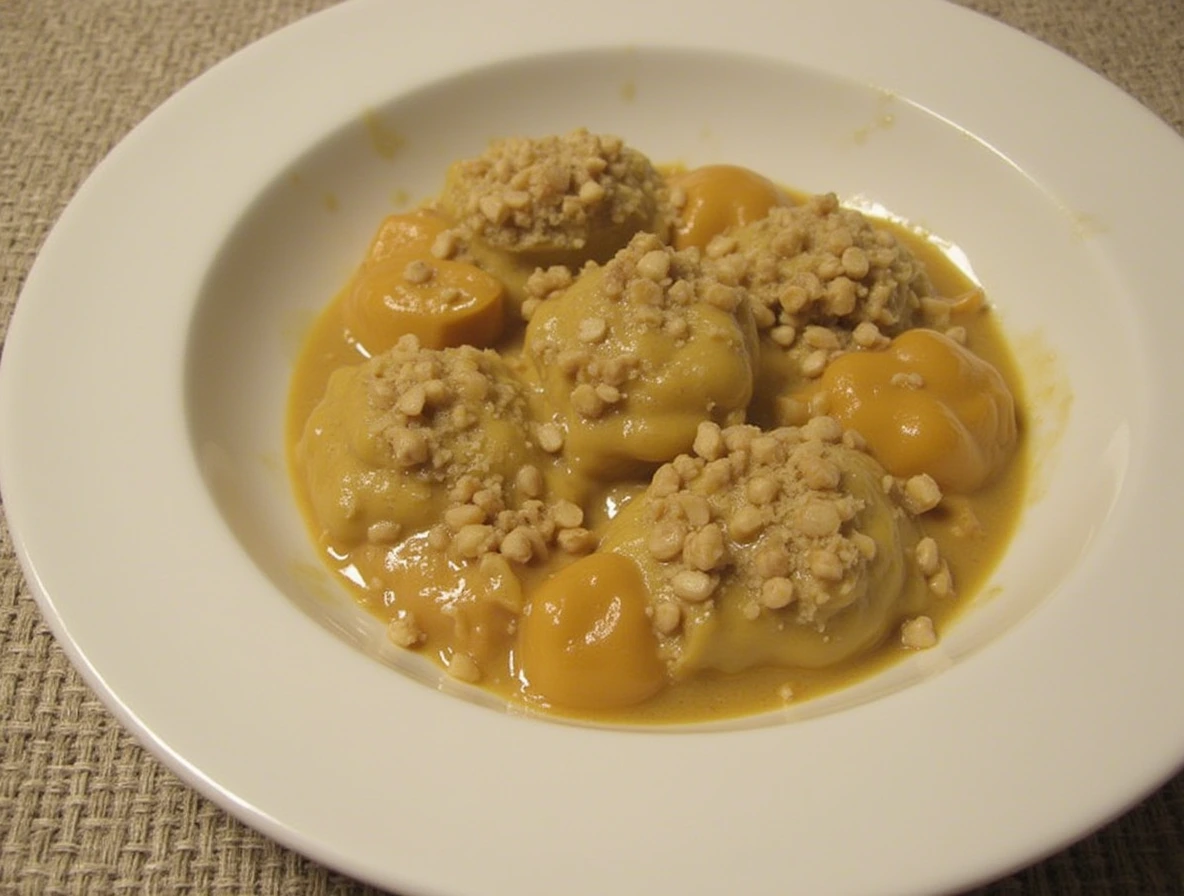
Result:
[[586, 641], [926, 405], [719, 197], [403, 288], [444, 303]]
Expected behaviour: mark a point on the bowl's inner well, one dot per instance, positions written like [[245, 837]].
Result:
[[299, 240]]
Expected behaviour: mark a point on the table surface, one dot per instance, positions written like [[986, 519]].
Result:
[[83, 808]]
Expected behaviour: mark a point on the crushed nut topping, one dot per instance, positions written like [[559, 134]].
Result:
[[823, 279], [779, 525], [525, 194], [918, 633], [649, 287]]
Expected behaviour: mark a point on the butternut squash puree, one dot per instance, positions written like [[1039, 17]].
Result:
[[671, 485], [719, 197]]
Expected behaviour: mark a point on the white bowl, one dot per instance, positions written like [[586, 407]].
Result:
[[147, 494]]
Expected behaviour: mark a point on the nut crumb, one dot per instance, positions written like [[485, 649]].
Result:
[[918, 633]]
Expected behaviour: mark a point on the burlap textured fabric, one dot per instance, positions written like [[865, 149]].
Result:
[[83, 809]]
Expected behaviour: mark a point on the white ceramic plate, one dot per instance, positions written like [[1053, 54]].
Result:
[[142, 395]]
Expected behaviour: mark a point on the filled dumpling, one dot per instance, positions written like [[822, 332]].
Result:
[[634, 355], [777, 547], [559, 200]]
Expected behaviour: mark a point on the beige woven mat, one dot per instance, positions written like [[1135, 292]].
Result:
[[83, 809]]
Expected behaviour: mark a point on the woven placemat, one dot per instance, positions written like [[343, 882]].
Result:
[[83, 809]]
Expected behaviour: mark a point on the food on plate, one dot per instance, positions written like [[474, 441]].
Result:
[[634, 354], [404, 289], [773, 547], [716, 198], [624, 442], [926, 404], [565, 200], [394, 436], [589, 641]]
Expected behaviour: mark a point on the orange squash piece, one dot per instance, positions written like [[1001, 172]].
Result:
[[586, 641], [719, 197], [926, 405]]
